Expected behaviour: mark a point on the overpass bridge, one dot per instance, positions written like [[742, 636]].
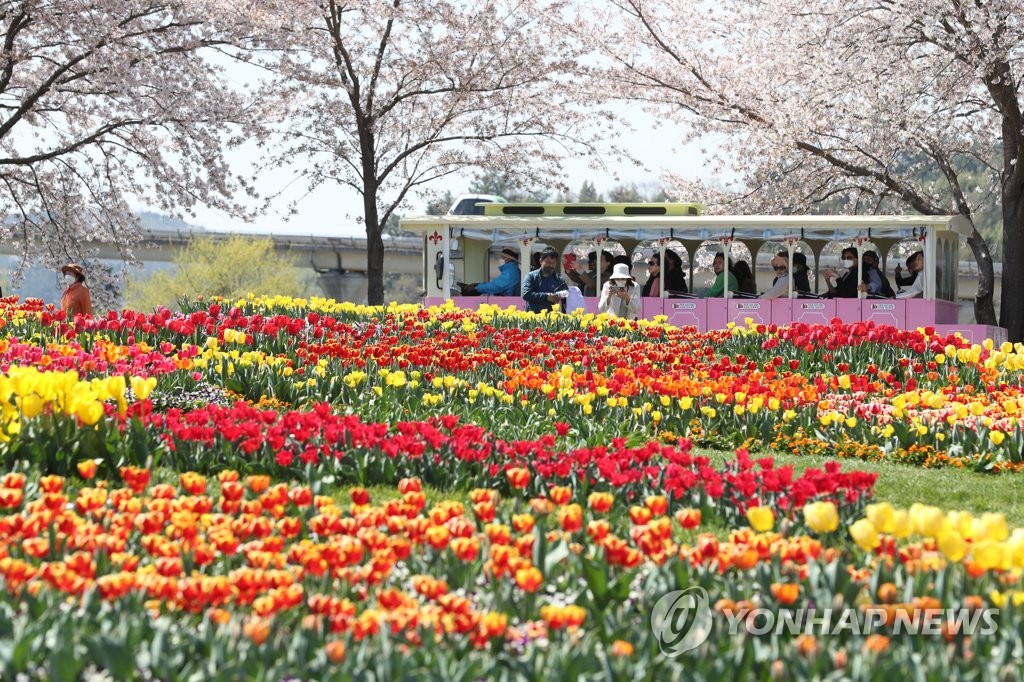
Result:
[[339, 262]]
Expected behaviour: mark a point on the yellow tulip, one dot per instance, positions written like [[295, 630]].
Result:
[[30, 405], [928, 520], [762, 519], [865, 534], [901, 524], [1015, 548], [90, 412], [991, 526], [143, 387], [881, 516], [988, 554], [821, 517], [962, 522], [952, 545]]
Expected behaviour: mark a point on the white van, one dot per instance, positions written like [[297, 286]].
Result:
[[466, 204]]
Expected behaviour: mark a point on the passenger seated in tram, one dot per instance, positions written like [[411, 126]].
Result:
[[801, 280], [620, 295], [875, 282], [507, 281], [903, 281], [675, 279], [780, 285], [915, 265], [845, 285], [717, 289], [744, 277], [543, 288], [586, 275]]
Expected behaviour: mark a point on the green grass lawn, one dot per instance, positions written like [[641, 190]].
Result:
[[902, 484]]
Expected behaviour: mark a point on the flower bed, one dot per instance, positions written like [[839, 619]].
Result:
[[287, 489]]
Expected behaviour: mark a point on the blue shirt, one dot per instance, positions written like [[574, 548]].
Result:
[[505, 284], [873, 278]]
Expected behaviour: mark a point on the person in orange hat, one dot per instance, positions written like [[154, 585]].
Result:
[[76, 299]]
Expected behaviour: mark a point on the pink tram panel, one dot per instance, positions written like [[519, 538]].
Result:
[[786, 311], [736, 310]]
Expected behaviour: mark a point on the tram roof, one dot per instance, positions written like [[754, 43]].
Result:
[[651, 221]]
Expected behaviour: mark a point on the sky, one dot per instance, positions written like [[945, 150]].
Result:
[[332, 210]]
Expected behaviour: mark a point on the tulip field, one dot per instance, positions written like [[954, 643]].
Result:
[[274, 488]]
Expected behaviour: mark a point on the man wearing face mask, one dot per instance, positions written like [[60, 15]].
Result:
[[505, 284], [543, 288], [845, 284], [875, 282], [76, 299]]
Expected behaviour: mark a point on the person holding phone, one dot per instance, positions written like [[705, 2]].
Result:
[[620, 295], [543, 288], [585, 274]]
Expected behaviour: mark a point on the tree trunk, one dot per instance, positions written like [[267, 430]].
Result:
[[984, 308], [1001, 84], [374, 248], [1011, 304]]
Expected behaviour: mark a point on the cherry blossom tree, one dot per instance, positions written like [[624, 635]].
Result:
[[386, 98], [106, 105], [878, 104]]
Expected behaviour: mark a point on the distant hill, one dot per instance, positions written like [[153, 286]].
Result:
[[159, 221], [40, 282]]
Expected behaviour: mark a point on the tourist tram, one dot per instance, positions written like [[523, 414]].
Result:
[[459, 248]]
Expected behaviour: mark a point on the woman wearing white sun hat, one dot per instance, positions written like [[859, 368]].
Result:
[[620, 295]]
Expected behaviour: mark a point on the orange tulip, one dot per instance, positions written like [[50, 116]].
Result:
[[658, 504], [518, 477], [87, 468], [484, 510], [529, 579], [688, 518], [493, 624], [523, 523], [639, 515], [466, 549], [561, 494], [622, 649], [335, 650], [409, 485], [11, 498], [887, 593], [437, 537], [876, 644], [570, 518], [785, 593], [193, 483], [257, 629], [360, 496], [600, 502], [258, 484], [135, 478]]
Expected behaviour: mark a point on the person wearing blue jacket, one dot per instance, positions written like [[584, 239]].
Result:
[[542, 286], [508, 279]]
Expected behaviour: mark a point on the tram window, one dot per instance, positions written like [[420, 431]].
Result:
[[644, 210], [583, 210], [522, 210]]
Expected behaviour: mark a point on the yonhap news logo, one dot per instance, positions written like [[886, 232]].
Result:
[[681, 620]]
